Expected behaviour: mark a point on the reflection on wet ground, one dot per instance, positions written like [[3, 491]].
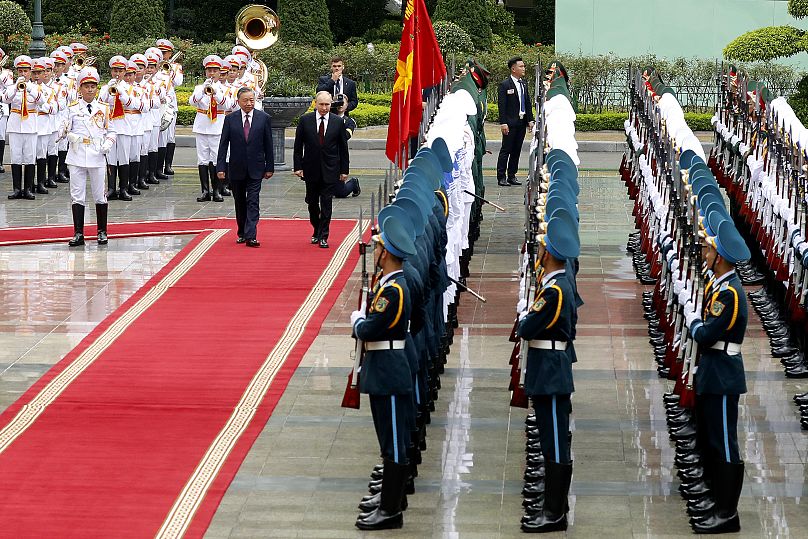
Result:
[[310, 465]]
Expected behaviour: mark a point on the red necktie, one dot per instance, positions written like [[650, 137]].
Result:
[[321, 131], [247, 128]]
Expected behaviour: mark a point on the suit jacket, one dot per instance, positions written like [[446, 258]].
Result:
[[508, 102], [321, 163], [249, 159], [326, 83]]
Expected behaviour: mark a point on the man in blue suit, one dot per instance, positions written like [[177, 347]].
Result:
[[248, 134]]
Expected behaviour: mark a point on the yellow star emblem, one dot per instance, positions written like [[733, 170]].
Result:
[[404, 79]]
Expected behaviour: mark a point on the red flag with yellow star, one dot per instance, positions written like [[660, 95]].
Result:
[[420, 65]]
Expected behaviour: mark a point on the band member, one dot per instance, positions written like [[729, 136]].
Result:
[[91, 136], [167, 139], [386, 376], [46, 108], [210, 100], [6, 79], [138, 165], [157, 92], [117, 94], [65, 88], [23, 96]]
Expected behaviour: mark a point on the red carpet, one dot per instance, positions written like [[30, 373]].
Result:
[[141, 428]]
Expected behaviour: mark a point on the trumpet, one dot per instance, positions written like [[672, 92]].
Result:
[[112, 87], [22, 85], [208, 88], [166, 66]]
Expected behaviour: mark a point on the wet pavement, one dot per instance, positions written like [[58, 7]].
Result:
[[309, 467]]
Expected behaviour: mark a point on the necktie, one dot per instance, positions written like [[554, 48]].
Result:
[[247, 128], [523, 103], [337, 87], [321, 131], [90, 108]]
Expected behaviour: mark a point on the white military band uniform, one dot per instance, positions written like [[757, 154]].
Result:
[[91, 133], [208, 131], [119, 155], [6, 79], [22, 132]]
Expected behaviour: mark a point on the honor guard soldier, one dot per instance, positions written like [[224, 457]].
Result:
[[65, 88], [133, 113], [720, 377], [547, 328], [6, 80], [91, 136], [174, 78], [116, 93], [138, 162], [23, 96], [385, 373], [157, 92], [46, 107], [246, 77], [210, 100]]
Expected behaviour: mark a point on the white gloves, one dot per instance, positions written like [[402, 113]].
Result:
[[690, 314], [522, 314], [356, 316], [106, 146], [73, 138], [678, 285], [521, 305], [684, 296]]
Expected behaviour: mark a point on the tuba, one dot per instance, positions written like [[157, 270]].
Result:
[[257, 28]]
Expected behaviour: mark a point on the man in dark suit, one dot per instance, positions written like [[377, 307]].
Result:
[[248, 133], [321, 160], [337, 83], [515, 118]]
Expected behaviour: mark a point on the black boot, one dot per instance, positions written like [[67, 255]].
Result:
[[204, 182], [142, 171], [727, 485], [151, 168], [50, 182], [557, 486], [112, 180], [41, 176], [215, 182], [134, 170], [29, 171], [388, 515], [101, 214], [61, 167], [2, 156], [78, 225], [123, 182], [161, 163], [169, 158], [16, 182]]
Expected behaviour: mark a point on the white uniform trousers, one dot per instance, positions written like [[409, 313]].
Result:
[[78, 184], [42, 142], [135, 143], [207, 148], [169, 135], [153, 139], [3, 124], [23, 148], [52, 144], [119, 154]]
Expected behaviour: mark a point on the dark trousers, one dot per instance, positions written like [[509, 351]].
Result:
[[553, 420], [246, 194], [511, 150], [717, 417], [319, 197], [391, 420], [345, 189]]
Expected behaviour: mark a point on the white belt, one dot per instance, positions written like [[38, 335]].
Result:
[[384, 345], [548, 345], [732, 348]]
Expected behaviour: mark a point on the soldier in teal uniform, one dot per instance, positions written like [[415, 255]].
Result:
[[548, 327], [385, 374], [720, 379]]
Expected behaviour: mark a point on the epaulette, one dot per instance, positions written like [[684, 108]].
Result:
[[549, 284], [724, 286], [76, 102]]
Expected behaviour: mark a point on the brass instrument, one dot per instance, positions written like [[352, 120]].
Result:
[[258, 28], [22, 85], [4, 61], [82, 61], [166, 67], [112, 87], [208, 88]]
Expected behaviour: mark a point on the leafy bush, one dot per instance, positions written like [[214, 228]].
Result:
[[798, 8], [366, 115], [389, 31], [63, 15], [799, 101], [305, 22], [385, 100], [13, 20], [132, 20], [452, 39], [471, 16], [765, 44]]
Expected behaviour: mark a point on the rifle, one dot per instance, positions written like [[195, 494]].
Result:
[[484, 201]]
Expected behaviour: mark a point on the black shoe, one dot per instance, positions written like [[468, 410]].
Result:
[[553, 517], [102, 238], [514, 181], [205, 197], [123, 195], [358, 189], [132, 190], [388, 514], [323, 243], [240, 239], [78, 239], [253, 243], [60, 178], [28, 195], [503, 183], [728, 485], [315, 240]]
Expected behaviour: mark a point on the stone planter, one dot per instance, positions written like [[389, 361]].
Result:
[[283, 111]]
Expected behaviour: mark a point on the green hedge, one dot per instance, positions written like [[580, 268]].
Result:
[[365, 115]]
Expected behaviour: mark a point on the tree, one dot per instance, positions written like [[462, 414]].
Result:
[[470, 15], [13, 20], [349, 18], [305, 22], [61, 15], [543, 21], [133, 20], [771, 41]]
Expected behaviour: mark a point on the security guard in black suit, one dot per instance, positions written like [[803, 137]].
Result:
[[515, 118], [385, 374], [547, 326], [720, 377]]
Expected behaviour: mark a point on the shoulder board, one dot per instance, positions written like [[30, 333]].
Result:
[[76, 102], [724, 286], [549, 284]]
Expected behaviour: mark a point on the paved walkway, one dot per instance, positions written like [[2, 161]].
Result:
[[308, 469]]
